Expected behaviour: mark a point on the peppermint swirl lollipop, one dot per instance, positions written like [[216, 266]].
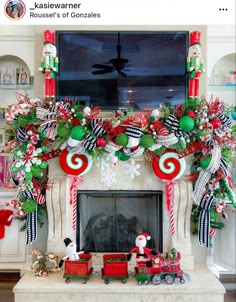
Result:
[[74, 163], [169, 166]]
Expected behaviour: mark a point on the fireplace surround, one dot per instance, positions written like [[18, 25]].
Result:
[[60, 210], [203, 285]]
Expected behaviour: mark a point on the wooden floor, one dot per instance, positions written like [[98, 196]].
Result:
[[8, 281]]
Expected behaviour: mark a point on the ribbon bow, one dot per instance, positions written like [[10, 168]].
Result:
[[204, 218]]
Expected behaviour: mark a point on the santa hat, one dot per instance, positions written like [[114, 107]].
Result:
[[148, 237], [6, 217]]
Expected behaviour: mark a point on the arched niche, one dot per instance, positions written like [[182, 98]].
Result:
[[223, 66], [17, 64]]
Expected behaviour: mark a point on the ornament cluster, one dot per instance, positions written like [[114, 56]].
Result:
[[39, 130]]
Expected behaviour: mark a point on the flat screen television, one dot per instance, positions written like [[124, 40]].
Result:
[[138, 70]]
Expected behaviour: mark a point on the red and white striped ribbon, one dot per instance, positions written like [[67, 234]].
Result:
[[170, 203], [73, 197]]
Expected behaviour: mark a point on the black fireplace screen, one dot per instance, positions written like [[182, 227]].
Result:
[[109, 221]]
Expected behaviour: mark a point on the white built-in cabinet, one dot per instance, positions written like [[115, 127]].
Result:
[[16, 51], [221, 59]]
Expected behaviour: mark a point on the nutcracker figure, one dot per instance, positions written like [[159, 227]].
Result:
[[194, 64], [49, 64]]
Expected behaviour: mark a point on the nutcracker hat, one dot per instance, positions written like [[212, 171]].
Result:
[[49, 36], [148, 237], [195, 37]]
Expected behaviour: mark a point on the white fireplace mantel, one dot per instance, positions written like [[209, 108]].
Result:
[[203, 286]]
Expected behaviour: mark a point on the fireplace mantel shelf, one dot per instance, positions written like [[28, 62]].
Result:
[[203, 286]]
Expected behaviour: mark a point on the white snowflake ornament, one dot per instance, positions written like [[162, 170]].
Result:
[[132, 169], [108, 176]]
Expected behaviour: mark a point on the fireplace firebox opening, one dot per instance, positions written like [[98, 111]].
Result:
[[109, 221]]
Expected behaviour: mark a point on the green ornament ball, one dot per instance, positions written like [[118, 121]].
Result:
[[121, 155], [15, 152], [29, 206], [122, 139], [44, 148], [14, 169], [36, 171], [204, 163], [42, 136], [78, 133], [28, 175], [43, 164], [79, 115], [151, 119], [146, 141], [186, 123], [63, 131]]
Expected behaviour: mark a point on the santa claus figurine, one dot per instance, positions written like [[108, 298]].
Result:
[[49, 64], [194, 64], [142, 252]]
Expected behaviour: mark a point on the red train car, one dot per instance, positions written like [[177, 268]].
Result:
[[80, 269], [115, 266]]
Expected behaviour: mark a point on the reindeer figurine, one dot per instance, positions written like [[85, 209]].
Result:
[[41, 262]]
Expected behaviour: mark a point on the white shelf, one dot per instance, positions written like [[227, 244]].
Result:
[[222, 88], [6, 192], [16, 87]]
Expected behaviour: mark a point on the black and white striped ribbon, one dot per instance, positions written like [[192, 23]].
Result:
[[97, 128], [223, 166], [226, 121], [134, 132], [173, 124], [21, 135], [49, 128], [89, 142], [31, 225], [204, 218], [27, 194]]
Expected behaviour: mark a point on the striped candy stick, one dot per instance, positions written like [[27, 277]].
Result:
[[73, 198], [170, 204]]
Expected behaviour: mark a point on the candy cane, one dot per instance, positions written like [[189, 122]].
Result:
[[73, 198]]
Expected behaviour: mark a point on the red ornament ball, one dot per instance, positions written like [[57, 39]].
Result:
[[192, 114], [216, 123]]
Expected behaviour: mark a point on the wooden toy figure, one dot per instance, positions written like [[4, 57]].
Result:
[[194, 64], [49, 64]]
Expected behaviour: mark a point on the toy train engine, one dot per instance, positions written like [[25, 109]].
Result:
[[158, 268]]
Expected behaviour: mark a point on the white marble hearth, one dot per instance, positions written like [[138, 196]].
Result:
[[203, 286]]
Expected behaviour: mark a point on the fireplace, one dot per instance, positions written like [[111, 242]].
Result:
[[203, 285], [60, 210], [109, 221]]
